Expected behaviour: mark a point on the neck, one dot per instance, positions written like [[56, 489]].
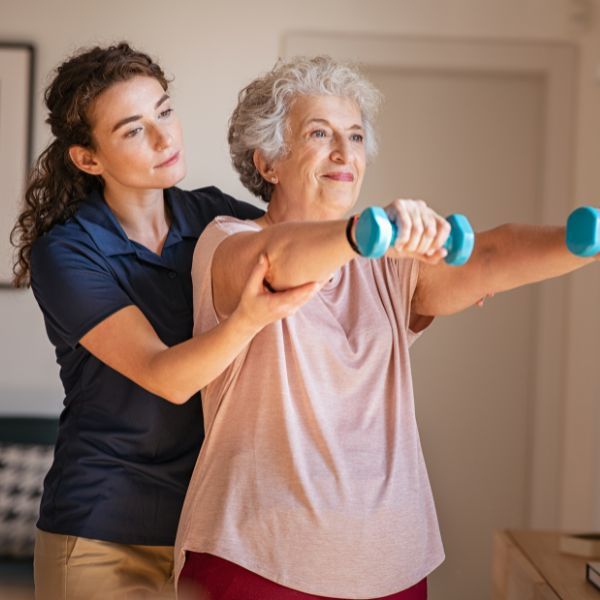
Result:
[[280, 211], [142, 215]]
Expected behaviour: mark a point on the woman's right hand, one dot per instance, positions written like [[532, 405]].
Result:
[[422, 233], [258, 306]]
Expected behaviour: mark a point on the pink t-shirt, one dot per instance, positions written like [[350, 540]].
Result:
[[311, 473]]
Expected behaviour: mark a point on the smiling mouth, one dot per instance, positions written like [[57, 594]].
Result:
[[349, 177], [170, 161]]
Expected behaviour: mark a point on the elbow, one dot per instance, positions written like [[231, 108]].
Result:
[[160, 379], [274, 253], [175, 398], [169, 393]]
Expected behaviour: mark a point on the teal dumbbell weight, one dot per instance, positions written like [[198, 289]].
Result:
[[583, 231], [375, 233]]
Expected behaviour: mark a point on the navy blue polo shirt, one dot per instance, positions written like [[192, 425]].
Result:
[[124, 456]]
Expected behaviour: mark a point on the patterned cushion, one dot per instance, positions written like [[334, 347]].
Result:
[[22, 471]]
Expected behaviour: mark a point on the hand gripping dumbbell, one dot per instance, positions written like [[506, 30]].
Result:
[[375, 233], [583, 231]]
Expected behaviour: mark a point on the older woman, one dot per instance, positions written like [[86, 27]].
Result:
[[311, 481]]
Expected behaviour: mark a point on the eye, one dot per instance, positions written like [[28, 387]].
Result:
[[133, 132], [318, 133], [165, 113], [357, 137]]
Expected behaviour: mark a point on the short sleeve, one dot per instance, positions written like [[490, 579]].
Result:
[[240, 209], [406, 274], [423, 322], [74, 287], [205, 315]]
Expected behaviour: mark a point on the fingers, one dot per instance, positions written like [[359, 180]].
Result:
[[443, 232], [421, 231], [274, 306], [428, 232], [260, 306], [403, 219], [257, 275], [481, 301], [287, 302]]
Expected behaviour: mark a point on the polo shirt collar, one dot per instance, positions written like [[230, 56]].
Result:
[[181, 225], [98, 220]]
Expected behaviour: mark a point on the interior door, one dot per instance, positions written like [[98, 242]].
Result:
[[469, 143]]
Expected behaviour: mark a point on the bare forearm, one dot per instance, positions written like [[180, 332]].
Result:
[[522, 254], [178, 372], [303, 252], [294, 254], [504, 258], [127, 342]]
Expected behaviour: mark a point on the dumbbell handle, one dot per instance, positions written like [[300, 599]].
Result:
[[583, 231], [375, 232]]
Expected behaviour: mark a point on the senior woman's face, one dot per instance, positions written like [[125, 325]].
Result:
[[325, 165]]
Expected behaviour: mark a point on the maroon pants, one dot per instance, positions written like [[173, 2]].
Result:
[[208, 577]]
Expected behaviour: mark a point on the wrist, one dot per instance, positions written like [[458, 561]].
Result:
[[243, 324], [350, 234]]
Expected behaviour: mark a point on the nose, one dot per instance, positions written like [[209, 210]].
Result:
[[164, 139], [340, 153]]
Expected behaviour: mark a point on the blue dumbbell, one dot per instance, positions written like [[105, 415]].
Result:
[[583, 231], [375, 233]]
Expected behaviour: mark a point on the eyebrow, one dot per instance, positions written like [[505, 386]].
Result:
[[326, 122], [136, 117]]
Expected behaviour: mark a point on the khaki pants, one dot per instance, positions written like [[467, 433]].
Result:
[[75, 568]]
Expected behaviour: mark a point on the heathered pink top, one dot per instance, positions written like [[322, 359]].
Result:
[[311, 473]]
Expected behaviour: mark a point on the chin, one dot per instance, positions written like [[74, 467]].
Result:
[[342, 201], [171, 179], [334, 210]]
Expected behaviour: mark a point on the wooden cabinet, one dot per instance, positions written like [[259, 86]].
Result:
[[527, 565]]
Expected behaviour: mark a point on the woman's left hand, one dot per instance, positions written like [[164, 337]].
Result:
[[422, 232]]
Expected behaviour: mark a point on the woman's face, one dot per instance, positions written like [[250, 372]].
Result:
[[137, 136], [323, 171]]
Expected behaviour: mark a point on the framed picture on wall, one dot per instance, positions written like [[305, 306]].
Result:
[[16, 109]]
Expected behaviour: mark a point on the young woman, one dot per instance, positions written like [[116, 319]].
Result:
[[106, 242]]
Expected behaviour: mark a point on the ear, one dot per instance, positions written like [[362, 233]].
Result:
[[85, 160], [265, 168]]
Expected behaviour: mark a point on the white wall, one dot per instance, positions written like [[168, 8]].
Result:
[[213, 49]]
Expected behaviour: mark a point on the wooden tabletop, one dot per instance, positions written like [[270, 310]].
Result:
[[563, 572]]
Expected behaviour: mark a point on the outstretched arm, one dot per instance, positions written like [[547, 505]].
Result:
[[504, 258], [299, 252], [296, 253]]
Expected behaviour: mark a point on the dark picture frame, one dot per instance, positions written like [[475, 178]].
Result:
[[17, 63]]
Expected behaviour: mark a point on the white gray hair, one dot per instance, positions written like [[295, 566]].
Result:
[[259, 121]]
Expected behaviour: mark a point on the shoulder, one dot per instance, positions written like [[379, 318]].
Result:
[[221, 228], [67, 261], [65, 244], [228, 225], [73, 281], [204, 204]]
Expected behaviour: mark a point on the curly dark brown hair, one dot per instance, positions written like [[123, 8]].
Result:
[[56, 186]]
